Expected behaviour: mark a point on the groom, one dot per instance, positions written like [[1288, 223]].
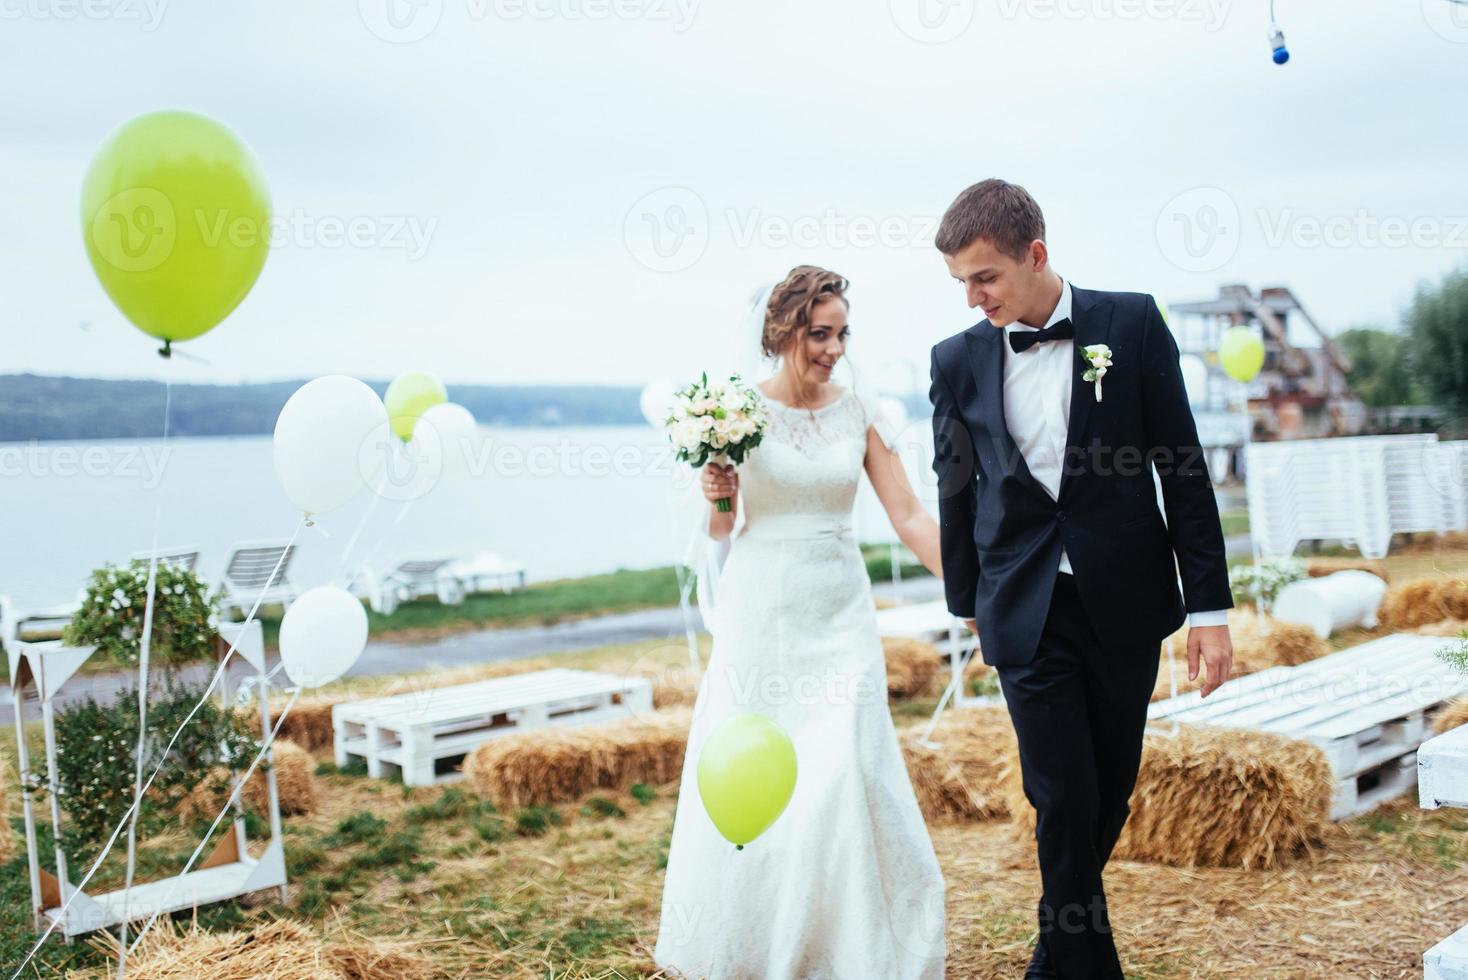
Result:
[[1054, 549]]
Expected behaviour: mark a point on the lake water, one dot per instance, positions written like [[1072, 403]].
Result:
[[564, 501]]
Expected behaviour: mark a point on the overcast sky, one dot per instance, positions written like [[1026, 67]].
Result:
[[587, 191]]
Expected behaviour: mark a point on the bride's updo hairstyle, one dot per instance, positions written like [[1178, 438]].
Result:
[[788, 312]]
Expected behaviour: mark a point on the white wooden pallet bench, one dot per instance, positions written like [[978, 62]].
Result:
[[1368, 708], [1442, 780], [425, 734]]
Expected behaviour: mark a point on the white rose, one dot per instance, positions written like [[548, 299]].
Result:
[[687, 435]]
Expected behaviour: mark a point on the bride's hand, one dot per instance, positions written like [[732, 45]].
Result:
[[719, 481]]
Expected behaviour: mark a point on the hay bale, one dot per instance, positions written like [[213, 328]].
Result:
[[295, 782], [961, 779], [281, 949], [308, 724], [1320, 567], [1443, 627], [1258, 644], [1422, 601], [912, 666], [1451, 715], [675, 689], [558, 765], [1215, 797], [975, 671]]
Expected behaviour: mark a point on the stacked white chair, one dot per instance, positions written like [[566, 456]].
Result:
[[1360, 490]]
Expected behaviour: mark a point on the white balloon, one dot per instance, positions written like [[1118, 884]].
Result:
[[895, 409], [1195, 378], [448, 438], [657, 401], [323, 436], [322, 635]]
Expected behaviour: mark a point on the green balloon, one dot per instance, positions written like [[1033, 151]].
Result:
[[1241, 353], [176, 221], [746, 775], [408, 397]]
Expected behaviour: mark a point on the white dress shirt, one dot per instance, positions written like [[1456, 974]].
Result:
[[1037, 389]]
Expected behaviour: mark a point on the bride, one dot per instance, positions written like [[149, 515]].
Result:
[[845, 883]]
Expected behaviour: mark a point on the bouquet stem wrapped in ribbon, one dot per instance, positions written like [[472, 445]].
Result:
[[721, 422]]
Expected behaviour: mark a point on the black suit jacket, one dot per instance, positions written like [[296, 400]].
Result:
[[1002, 531]]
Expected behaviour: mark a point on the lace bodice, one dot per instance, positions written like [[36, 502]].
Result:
[[809, 462]]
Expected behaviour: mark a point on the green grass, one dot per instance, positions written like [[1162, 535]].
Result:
[[543, 603], [1235, 522], [879, 562]]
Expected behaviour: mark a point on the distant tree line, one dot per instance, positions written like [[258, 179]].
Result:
[[1427, 362], [43, 407]]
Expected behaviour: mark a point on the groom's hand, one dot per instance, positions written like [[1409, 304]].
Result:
[[973, 626], [1213, 646]]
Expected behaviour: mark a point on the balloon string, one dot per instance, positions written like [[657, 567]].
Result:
[[148, 606], [218, 673], [234, 794], [402, 512], [341, 567]]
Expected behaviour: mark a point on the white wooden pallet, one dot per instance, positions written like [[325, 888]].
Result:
[[1442, 770], [1442, 780], [425, 734], [1367, 708]]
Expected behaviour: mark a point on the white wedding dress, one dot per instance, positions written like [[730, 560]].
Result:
[[845, 884]]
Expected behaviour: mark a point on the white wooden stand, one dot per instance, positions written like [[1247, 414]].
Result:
[[226, 873], [1442, 780]]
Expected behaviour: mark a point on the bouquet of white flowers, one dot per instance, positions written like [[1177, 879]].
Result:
[[720, 422]]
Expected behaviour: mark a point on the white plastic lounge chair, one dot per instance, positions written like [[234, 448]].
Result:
[[247, 576], [185, 557]]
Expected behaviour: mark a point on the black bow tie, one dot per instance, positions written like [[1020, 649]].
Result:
[[1023, 340]]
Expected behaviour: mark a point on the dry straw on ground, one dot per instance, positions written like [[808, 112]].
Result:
[[8, 780], [295, 781], [1423, 601], [555, 765], [278, 950]]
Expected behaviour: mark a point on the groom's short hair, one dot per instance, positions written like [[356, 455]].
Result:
[[992, 209]]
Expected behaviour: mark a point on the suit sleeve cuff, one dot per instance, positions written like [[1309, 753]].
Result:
[[1212, 617]]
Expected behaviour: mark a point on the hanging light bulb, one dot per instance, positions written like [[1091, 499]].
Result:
[[1276, 38], [1277, 42]]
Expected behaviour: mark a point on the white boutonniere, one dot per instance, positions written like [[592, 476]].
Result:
[[1099, 357]]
